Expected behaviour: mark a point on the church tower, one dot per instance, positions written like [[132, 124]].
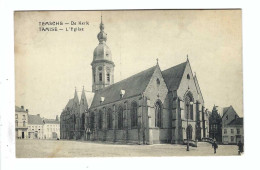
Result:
[[102, 64]]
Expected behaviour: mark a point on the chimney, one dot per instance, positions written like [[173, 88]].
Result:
[[57, 118], [27, 110], [22, 107], [38, 115]]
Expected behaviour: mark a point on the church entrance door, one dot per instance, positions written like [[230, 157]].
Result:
[[189, 132]]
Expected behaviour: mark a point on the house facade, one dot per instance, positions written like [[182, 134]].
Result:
[[21, 122], [51, 128], [150, 107], [35, 127], [232, 126], [42, 128]]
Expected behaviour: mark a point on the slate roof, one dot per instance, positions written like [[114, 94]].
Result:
[[34, 119], [69, 104], [173, 76], [133, 85], [51, 121], [236, 122], [228, 110]]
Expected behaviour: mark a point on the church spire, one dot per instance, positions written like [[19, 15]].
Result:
[[76, 99], [102, 36], [102, 64], [83, 100]]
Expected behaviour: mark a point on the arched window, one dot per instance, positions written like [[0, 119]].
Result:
[[100, 76], [16, 123], [100, 120], [158, 114], [120, 118], [23, 123], [109, 119], [189, 106], [92, 121], [108, 77], [134, 115], [83, 121]]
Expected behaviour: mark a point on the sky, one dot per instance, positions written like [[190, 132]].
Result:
[[49, 65]]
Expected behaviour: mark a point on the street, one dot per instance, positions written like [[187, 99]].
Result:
[[69, 148]]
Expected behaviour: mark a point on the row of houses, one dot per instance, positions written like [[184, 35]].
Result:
[[29, 126]]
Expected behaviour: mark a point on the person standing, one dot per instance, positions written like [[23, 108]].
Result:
[[215, 146], [240, 147]]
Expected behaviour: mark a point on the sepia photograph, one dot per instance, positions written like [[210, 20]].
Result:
[[128, 83]]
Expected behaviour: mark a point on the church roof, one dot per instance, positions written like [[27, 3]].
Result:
[[133, 85], [35, 119], [173, 76], [69, 104]]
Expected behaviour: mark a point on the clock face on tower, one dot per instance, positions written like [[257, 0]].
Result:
[[100, 68]]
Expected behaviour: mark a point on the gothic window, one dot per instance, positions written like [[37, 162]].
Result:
[[92, 121], [94, 77], [120, 118], [100, 76], [158, 114], [16, 116], [238, 131], [189, 106], [23, 117], [23, 123], [16, 123], [108, 77], [100, 119], [109, 119], [83, 121], [191, 111], [134, 117]]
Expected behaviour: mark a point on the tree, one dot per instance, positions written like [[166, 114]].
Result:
[[215, 125]]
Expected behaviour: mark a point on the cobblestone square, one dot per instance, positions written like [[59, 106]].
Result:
[[66, 148]]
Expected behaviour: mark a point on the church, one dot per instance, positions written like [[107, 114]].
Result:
[[150, 107]]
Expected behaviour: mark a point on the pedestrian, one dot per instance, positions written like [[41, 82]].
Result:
[[215, 146], [240, 147]]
